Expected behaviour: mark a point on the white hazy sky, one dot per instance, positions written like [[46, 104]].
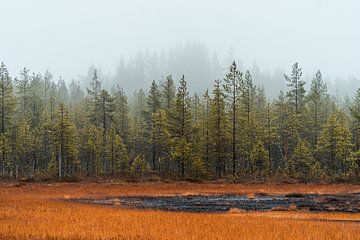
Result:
[[66, 36]]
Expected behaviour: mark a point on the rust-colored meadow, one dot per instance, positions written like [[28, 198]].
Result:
[[35, 211]]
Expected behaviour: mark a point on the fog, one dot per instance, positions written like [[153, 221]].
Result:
[[67, 37]]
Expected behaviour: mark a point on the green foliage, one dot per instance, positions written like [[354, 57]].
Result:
[[233, 130], [302, 165], [232, 87], [219, 134], [139, 167], [259, 158], [296, 92], [334, 145], [117, 155], [65, 144]]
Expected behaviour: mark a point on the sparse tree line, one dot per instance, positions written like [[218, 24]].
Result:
[[232, 131]]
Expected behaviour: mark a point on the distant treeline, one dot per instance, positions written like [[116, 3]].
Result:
[[231, 131], [200, 67]]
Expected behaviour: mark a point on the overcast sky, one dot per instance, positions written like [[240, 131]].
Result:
[[66, 36]]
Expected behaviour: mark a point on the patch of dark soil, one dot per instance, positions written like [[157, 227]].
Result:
[[222, 203]]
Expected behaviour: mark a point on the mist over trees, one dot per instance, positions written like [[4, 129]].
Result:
[[200, 66], [174, 129]]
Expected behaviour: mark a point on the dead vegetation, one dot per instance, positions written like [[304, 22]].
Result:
[[30, 211]]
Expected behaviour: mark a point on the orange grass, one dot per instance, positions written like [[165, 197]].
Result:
[[33, 212]]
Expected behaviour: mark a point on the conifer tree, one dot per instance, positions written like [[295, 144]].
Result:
[[248, 95], [316, 98], [334, 145], [105, 107], [138, 123], [181, 126], [65, 144], [94, 98], [161, 139], [259, 160], [232, 87], [168, 95], [22, 86], [91, 154], [7, 99], [117, 154], [303, 165], [121, 113], [355, 114], [219, 129], [296, 92], [153, 105], [22, 147], [206, 128], [139, 167]]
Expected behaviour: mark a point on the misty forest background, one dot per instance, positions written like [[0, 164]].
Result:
[[210, 119]]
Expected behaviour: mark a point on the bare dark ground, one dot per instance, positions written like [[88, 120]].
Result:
[[349, 203]]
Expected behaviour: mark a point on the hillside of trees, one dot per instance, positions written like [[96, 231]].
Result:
[[50, 130]]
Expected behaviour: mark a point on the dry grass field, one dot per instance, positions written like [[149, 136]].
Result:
[[34, 211]]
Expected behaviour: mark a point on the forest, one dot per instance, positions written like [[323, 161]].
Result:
[[56, 131]]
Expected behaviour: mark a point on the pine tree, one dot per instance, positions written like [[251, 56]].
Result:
[[117, 154], [63, 92], [181, 125], [7, 99], [121, 113], [94, 98], [206, 128], [138, 123], [7, 102], [35, 101], [153, 105], [22, 147], [161, 139], [65, 144], [247, 100], [105, 108], [46, 123], [196, 123], [334, 145], [303, 165], [316, 98], [232, 87], [139, 167], [219, 129], [248, 95], [90, 153], [355, 114], [22, 86], [296, 92], [168, 95], [182, 115], [259, 160]]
